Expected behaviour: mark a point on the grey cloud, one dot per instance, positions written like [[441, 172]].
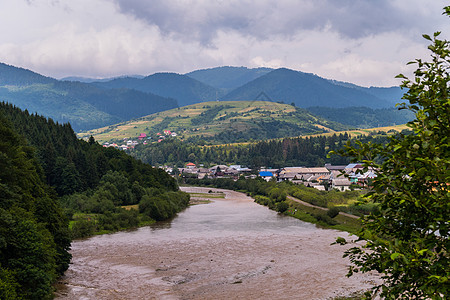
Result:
[[201, 20]]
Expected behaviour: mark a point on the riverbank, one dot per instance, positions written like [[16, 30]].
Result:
[[230, 248]]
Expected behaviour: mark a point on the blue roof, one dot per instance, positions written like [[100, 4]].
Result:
[[265, 174]]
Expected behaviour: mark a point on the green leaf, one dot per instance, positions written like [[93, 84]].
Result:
[[395, 255], [426, 36]]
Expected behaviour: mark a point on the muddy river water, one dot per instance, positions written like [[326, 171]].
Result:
[[231, 248]]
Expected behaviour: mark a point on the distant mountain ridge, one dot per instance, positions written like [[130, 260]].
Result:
[[184, 89], [95, 103], [91, 80], [228, 78], [10, 75], [305, 90], [84, 105]]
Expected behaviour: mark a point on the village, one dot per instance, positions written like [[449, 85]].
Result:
[[143, 138], [328, 177]]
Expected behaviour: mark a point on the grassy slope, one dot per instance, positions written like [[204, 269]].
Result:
[[234, 116]]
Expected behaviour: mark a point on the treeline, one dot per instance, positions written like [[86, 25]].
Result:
[[306, 151], [71, 165], [54, 187], [34, 236], [363, 117]]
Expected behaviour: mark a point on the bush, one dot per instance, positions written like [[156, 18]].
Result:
[[333, 212], [83, 228], [325, 219], [282, 206]]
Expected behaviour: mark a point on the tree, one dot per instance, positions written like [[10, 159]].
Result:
[[406, 239], [34, 240]]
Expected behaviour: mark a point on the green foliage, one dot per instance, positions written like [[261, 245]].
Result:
[[71, 165], [282, 207], [407, 236], [163, 206], [333, 212], [363, 117], [208, 115], [34, 240], [324, 218], [83, 228], [34, 231]]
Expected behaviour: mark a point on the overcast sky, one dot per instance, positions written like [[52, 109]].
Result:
[[366, 42]]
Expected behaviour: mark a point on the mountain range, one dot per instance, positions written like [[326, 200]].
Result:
[[92, 103]]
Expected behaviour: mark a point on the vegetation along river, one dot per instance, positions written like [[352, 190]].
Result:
[[231, 248]]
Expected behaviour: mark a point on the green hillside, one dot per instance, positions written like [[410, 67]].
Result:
[[84, 105], [305, 90], [222, 122]]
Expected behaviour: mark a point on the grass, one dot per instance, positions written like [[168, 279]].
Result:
[[129, 207], [353, 296], [307, 214], [234, 115], [208, 195], [204, 197]]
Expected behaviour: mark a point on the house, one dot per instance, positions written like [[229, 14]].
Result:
[[190, 165], [302, 173], [142, 136], [334, 168], [341, 183], [203, 172], [218, 170], [266, 175], [240, 169]]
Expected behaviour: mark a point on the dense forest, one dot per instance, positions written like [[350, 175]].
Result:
[[363, 117], [34, 236], [54, 187], [303, 151]]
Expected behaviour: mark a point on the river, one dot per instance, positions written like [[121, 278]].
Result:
[[231, 248]]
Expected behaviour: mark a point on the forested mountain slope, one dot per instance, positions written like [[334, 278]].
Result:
[[184, 89], [228, 78], [34, 236], [304, 90], [84, 105], [49, 177]]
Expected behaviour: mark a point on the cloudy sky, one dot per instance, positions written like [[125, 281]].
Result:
[[366, 42]]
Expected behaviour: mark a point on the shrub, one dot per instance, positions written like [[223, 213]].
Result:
[[325, 219], [333, 212], [83, 228], [282, 206]]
